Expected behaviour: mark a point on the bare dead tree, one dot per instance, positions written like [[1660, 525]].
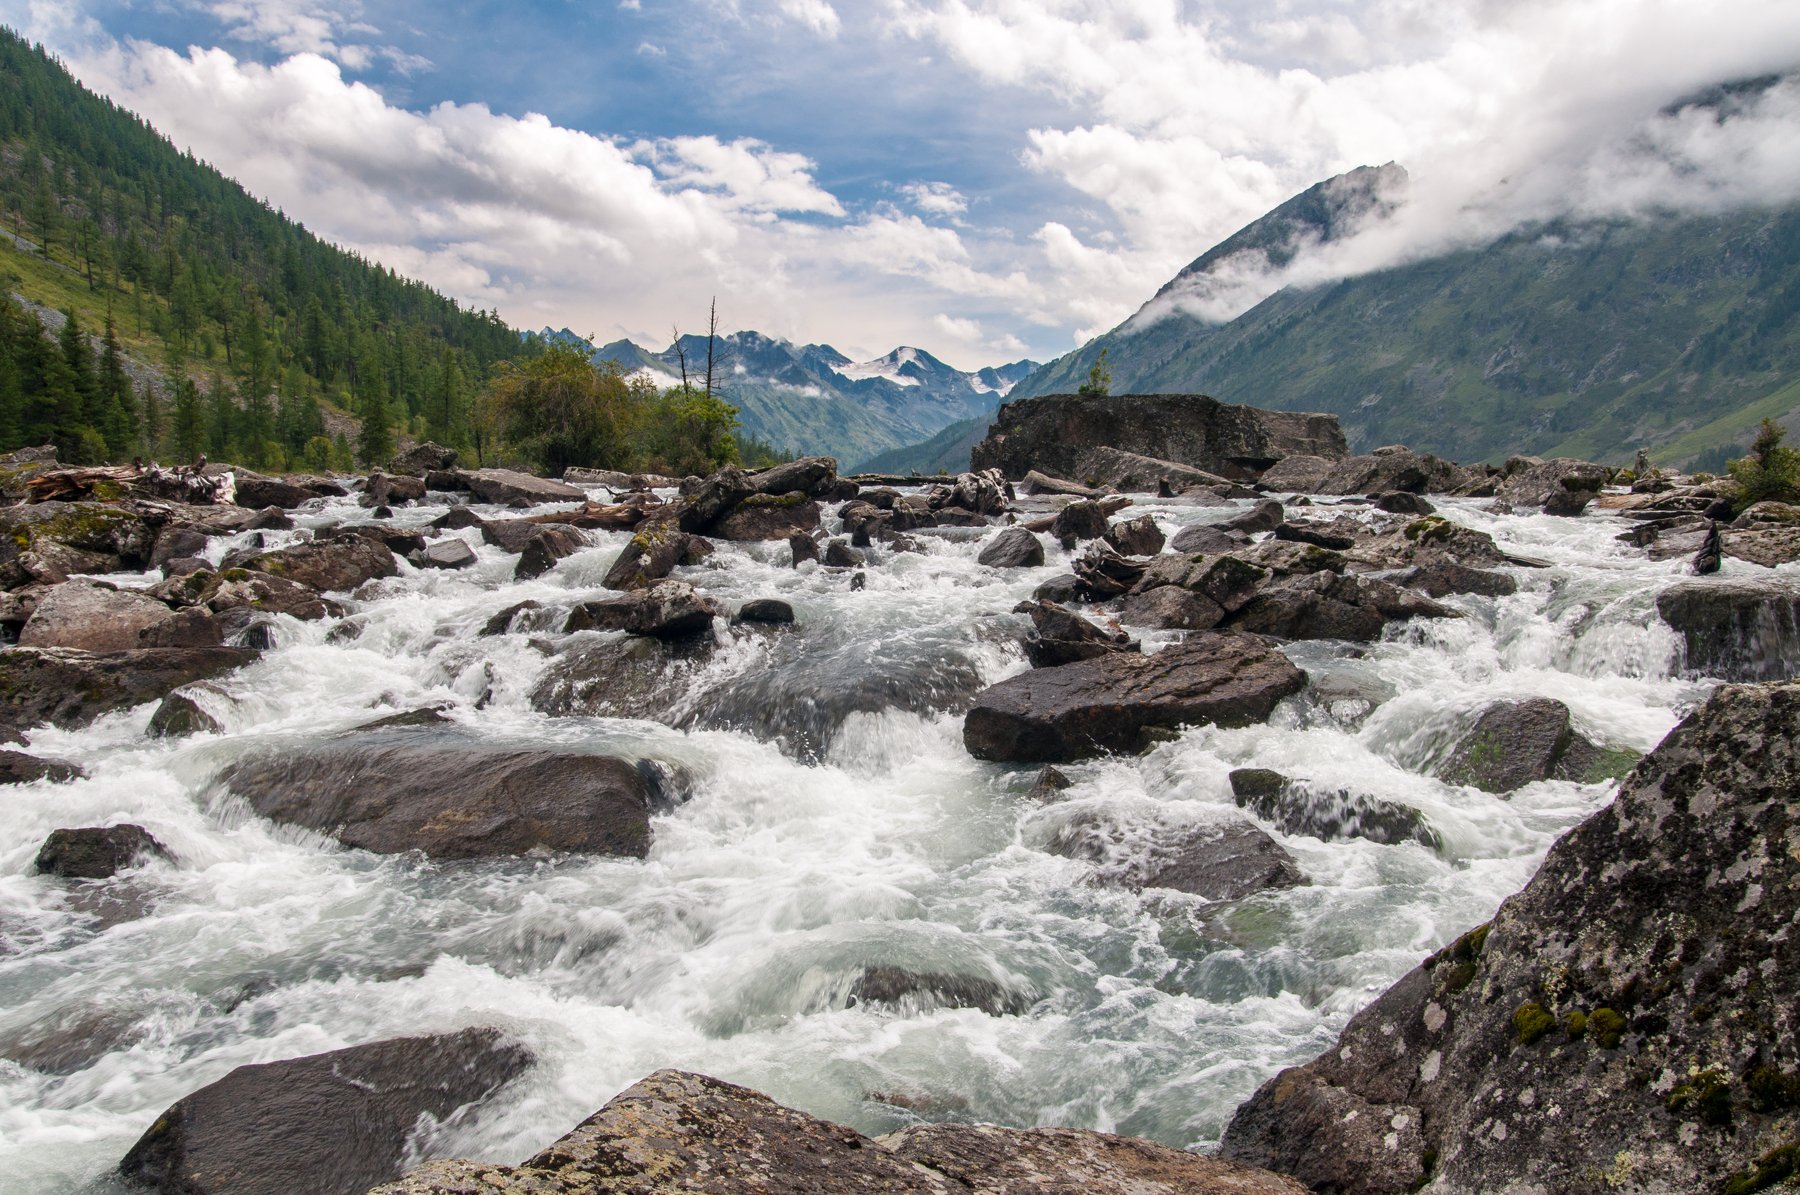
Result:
[[712, 334], [680, 354]]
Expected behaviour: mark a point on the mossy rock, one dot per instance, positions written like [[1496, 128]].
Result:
[[1777, 1166], [1531, 1021], [1706, 1095], [1430, 529]]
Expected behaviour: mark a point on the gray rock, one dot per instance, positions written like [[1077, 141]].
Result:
[[1633, 1012], [185, 712], [1738, 629], [1403, 503], [16, 767], [422, 458], [70, 688], [96, 852], [384, 489], [650, 555], [1079, 520], [552, 543], [839, 554], [1135, 472], [448, 553], [1264, 516], [1299, 807], [1208, 538], [92, 617], [1042, 483], [668, 609], [1169, 607], [256, 492], [1528, 481], [916, 991], [1298, 474], [1135, 537], [45, 542], [766, 610], [768, 516], [812, 476], [1218, 862], [1513, 743], [338, 564], [804, 547], [1106, 704], [1048, 783], [1328, 605], [1060, 636], [1391, 469], [392, 792], [457, 518], [1442, 580], [504, 487], [1013, 547], [334, 1124], [636, 677]]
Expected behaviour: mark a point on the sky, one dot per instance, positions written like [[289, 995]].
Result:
[[985, 179]]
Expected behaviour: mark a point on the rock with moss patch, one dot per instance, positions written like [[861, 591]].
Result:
[[1513, 743], [1625, 1022], [768, 516]]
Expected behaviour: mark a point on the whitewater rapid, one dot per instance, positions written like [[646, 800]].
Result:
[[731, 948]]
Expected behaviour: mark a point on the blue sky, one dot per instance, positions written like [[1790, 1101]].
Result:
[[987, 179]]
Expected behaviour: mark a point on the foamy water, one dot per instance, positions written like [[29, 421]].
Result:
[[876, 842]]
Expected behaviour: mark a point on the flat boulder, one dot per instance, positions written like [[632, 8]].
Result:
[[16, 767], [330, 1124], [340, 563], [1444, 579], [1170, 608], [46, 542], [1050, 715], [1014, 547], [1061, 636], [811, 476], [768, 516], [1741, 629], [1228, 861], [676, 1131], [257, 492], [666, 610], [389, 793], [447, 553], [1298, 474], [92, 617], [96, 852], [69, 688], [1528, 481], [1391, 469], [634, 677], [505, 487], [1137, 473], [1209, 538], [1626, 1022]]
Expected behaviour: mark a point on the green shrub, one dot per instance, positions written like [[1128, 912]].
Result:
[[1771, 473]]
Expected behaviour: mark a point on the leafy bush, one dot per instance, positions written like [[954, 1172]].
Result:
[[1771, 473]]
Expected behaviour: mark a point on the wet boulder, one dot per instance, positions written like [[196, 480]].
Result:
[[1013, 547], [96, 852], [651, 554], [265, 593], [1169, 608], [1631, 1012], [768, 516], [92, 617], [457, 518], [385, 489], [505, 487], [334, 1124], [1390, 469], [1079, 520], [1444, 579], [1047, 785], [676, 1131], [16, 767], [554, 542], [712, 499], [1208, 538], [802, 548], [1299, 474], [1513, 743], [192, 710], [666, 610], [1745, 629], [767, 611], [1060, 636], [1135, 537], [340, 563], [1427, 541], [1050, 715], [391, 792], [1131, 471], [175, 542], [69, 688], [839, 554], [255, 492], [1562, 483], [1264, 516], [1401, 503], [1328, 605], [446, 553], [46, 542], [1214, 862], [1331, 814], [921, 991], [633, 677], [810, 476]]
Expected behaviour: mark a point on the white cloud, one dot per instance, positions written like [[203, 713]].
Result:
[[816, 15], [752, 175], [935, 199]]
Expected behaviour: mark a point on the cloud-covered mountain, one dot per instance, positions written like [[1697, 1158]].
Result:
[[812, 398], [1670, 329]]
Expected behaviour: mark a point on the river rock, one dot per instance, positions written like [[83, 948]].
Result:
[[1042, 483], [175, 542], [1013, 547], [1050, 715], [504, 487], [330, 565], [634, 677], [457, 518], [667, 610], [256, 492], [1388, 470], [1329, 605], [1051, 433], [1442, 580], [768, 516], [770, 611], [331, 1124], [390, 793], [1135, 472], [1060, 636], [1266, 515], [1399, 502], [69, 688], [1207, 538], [188, 711], [1298, 474], [401, 541], [676, 1131], [1513, 743], [1081, 519], [384, 489], [651, 554], [713, 498], [447, 553], [1738, 628], [92, 617], [96, 852], [1169, 607], [16, 767], [1214, 862], [839, 554], [811, 476], [1135, 537], [803, 548], [1300, 807], [1528, 481], [1633, 1012], [267, 593], [916, 991], [46, 542], [422, 458], [553, 542]]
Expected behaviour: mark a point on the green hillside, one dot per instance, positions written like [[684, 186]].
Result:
[[1588, 340], [102, 217], [946, 452]]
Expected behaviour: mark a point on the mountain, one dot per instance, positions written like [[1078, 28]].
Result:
[[813, 398], [1581, 338]]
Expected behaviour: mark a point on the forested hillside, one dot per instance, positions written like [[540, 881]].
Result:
[[256, 329]]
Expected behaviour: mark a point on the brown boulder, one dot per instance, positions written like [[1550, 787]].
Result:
[[329, 565], [69, 688]]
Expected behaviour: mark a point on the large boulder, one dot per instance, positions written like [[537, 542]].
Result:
[[1389, 469], [676, 1131], [341, 562], [1135, 472], [328, 1124], [1135, 537], [813, 476], [1331, 814], [46, 542], [1297, 474], [423, 458], [16, 767], [256, 492], [1107, 703], [1528, 481], [667, 610], [637, 676], [1630, 1021], [69, 688], [96, 852], [651, 554], [93, 617], [1061, 636], [504, 487], [1513, 743], [1053, 432], [1013, 547], [1329, 605], [1227, 861], [390, 793], [768, 516], [1744, 629], [553, 542]]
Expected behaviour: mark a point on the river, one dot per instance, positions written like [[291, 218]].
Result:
[[816, 842]]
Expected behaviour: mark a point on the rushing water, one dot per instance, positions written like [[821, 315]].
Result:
[[872, 839]]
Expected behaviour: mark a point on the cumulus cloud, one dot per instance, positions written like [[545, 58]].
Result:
[[935, 199], [748, 174], [816, 15]]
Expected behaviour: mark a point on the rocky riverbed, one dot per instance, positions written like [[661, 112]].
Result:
[[949, 804]]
